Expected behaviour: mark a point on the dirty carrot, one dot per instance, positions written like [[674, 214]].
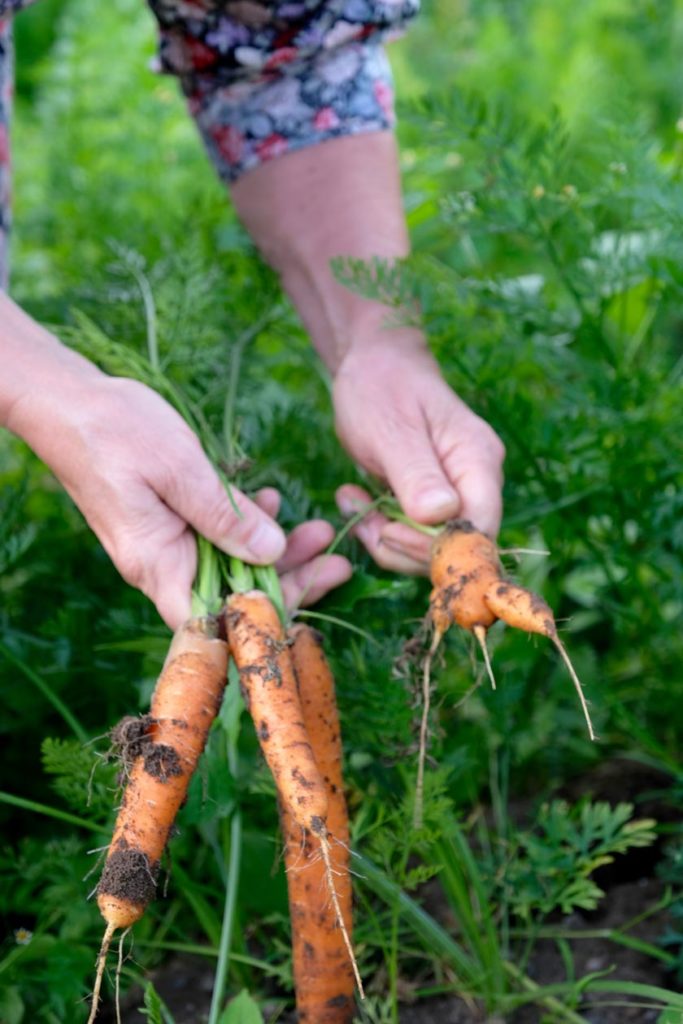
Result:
[[323, 974], [159, 753], [525, 610], [260, 650], [470, 590]]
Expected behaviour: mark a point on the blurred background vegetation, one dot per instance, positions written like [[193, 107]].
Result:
[[541, 148]]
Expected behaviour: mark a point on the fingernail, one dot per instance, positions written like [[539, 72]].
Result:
[[267, 542]]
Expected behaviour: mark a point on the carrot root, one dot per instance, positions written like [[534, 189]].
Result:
[[470, 590], [480, 634], [324, 968], [325, 849], [577, 684], [424, 727], [522, 609], [260, 651], [159, 753], [101, 962]]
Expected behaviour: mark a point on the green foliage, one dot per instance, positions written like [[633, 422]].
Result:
[[542, 162], [548, 866], [671, 871], [80, 779], [242, 1010], [154, 1008]]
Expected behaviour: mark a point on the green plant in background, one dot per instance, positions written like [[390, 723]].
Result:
[[549, 866], [542, 170]]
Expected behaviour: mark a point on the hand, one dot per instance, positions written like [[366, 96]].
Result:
[[141, 479], [306, 574], [397, 417]]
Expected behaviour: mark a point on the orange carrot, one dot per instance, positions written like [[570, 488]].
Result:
[[464, 564], [323, 974], [469, 589], [260, 651], [525, 610], [160, 754]]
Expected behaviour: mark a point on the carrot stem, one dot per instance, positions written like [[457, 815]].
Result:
[[429, 531], [336, 621], [268, 581], [206, 599]]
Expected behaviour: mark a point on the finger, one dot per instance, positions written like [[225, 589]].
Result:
[[369, 532], [174, 605], [238, 526], [305, 542], [170, 580], [418, 479], [480, 488], [409, 542], [309, 583], [352, 499], [269, 500]]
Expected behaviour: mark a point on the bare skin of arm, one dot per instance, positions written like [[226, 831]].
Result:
[[394, 413], [139, 476]]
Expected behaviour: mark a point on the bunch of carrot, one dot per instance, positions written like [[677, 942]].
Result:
[[288, 688]]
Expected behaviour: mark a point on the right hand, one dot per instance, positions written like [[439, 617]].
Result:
[[141, 479]]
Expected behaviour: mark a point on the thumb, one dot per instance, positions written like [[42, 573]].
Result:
[[231, 521], [418, 480]]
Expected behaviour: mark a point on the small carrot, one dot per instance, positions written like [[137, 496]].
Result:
[[323, 974], [160, 757], [470, 590], [464, 563]]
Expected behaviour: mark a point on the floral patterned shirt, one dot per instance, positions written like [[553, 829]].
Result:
[[261, 77]]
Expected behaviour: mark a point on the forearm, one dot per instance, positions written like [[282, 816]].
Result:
[[35, 363], [339, 198]]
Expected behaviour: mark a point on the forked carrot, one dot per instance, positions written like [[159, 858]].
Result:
[[323, 975], [470, 590], [160, 757]]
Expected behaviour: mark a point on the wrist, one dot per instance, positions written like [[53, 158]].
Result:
[[377, 347], [42, 379]]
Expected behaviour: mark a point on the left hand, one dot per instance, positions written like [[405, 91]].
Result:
[[306, 573], [397, 417]]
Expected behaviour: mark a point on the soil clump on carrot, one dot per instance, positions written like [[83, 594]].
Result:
[[129, 875]]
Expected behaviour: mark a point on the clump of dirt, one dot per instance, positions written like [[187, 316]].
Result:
[[132, 738], [162, 761], [129, 875], [129, 739]]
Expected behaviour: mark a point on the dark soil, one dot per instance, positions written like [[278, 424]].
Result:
[[185, 983]]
